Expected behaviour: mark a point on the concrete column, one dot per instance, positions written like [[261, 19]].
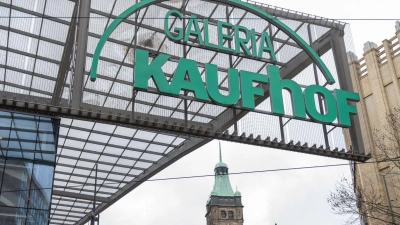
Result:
[[382, 108], [378, 91], [397, 26], [392, 69], [365, 172]]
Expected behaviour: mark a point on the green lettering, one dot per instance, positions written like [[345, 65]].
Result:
[[222, 36], [213, 88], [193, 83], [196, 32], [330, 104], [342, 98], [254, 42], [144, 71], [266, 46], [207, 36], [178, 30], [276, 87], [240, 43], [248, 90]]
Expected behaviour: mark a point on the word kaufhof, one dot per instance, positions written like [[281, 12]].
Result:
[[240, 82]]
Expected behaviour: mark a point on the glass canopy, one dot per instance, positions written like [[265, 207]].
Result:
[[46, 51]]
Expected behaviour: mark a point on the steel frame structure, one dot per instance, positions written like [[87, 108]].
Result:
[[130, 146]]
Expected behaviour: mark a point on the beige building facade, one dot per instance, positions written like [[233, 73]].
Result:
[[376, 77]]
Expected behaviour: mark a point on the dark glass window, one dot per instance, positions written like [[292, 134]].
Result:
[[223, 214], [27, 154], [230, 214]]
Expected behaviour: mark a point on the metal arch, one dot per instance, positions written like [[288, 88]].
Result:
[[242, 5], [313, 55]]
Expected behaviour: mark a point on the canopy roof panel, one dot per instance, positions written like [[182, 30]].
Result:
[[130, 134]]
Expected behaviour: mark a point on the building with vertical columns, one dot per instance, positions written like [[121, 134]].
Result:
[[376, 77], [224, 207]]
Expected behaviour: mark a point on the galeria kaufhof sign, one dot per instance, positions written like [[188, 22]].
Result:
[[243, 41]]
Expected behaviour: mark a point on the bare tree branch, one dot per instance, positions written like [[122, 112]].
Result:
[[367, 202]]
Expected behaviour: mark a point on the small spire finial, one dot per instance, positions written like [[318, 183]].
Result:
[[220, 154]]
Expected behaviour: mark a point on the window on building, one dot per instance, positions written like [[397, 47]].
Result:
[[230, 214], [21, 175], [223, 214]]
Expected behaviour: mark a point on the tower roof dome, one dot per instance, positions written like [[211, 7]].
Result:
[[237, 193], [222, 193], [222, 185], [221, 164]]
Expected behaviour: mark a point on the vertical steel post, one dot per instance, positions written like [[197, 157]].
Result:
[[281, 128], [82, 37], [343, 70], [135, 92], [66, 59], [235, 124], [56, 130], [321, 108], [93, 218], [184, 53]]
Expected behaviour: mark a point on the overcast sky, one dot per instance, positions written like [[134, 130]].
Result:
[[288, 197]]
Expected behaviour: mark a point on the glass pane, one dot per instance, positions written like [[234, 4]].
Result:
[[5, 124], [37, 217], [2, 164], [16, 180], [26, 122], [41, 186], [12, 216], [46, 135]]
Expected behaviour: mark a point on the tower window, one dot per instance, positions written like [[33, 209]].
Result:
[[223, 214], [230, 214]]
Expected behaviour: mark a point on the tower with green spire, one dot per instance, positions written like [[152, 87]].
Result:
[[224, 205]]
